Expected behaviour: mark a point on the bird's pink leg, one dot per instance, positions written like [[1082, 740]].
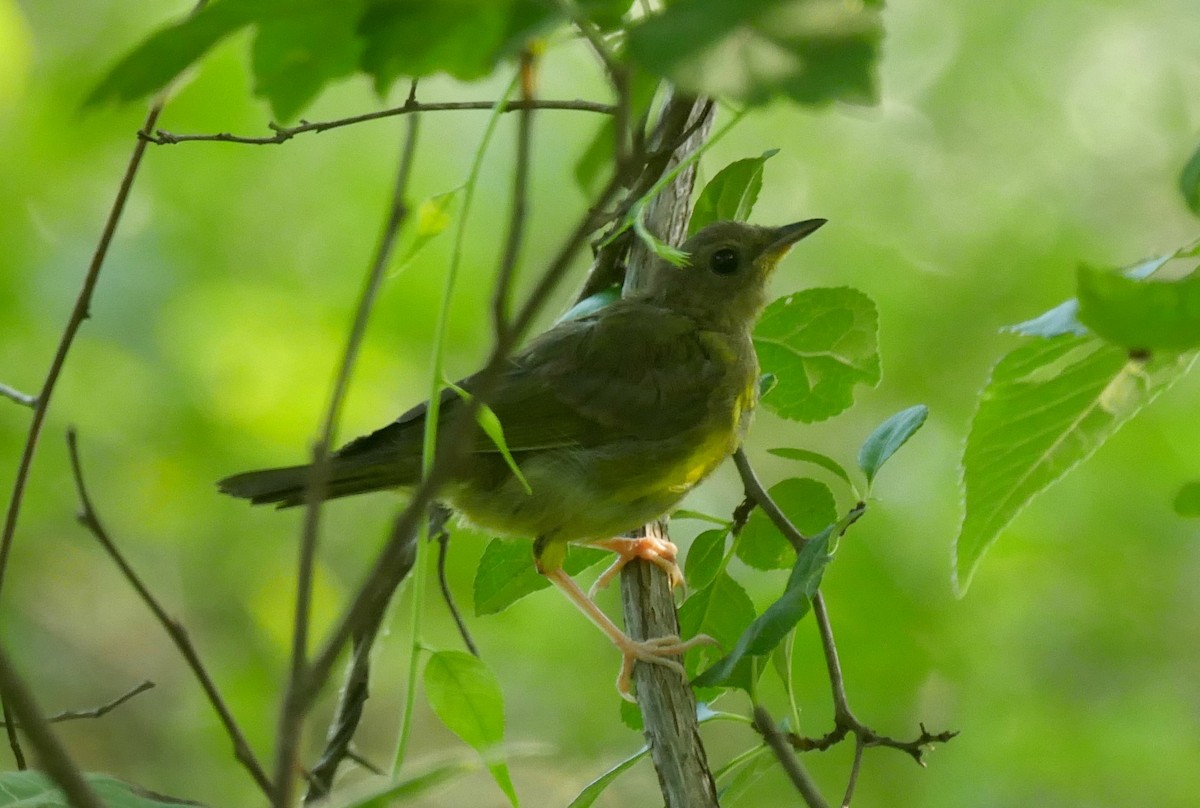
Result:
[[655, 549]]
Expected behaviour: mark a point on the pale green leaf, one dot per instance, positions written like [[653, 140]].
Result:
[[808, 504], [888, 437], [32, 789], [465, 695], [704, 558], [506, 572], [434, 215], [731, 194], [489, 422], [594, 789], [684, 513], [816, 458], [821, 343], [1048, 405]]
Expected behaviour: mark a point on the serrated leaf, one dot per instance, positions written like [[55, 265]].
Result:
[[31, 789], [888, 437], [808, 504], [820, 343], [506, 572], [722, 610], [1189, 183], [1187, 501], [816, 458], [631, 715], [465, 695], [1153, 315], [704, 558], [1047, 406], [812, 51], [772, 626], [295, 55], [731, 194]]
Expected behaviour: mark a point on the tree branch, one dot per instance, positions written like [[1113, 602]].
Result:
[[103, 709], [789, 762], [286, 133]]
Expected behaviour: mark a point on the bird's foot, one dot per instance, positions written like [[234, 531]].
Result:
[[655, 549], [656, 651]]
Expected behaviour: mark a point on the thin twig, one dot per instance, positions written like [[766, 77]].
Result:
[[442, 537], [755, 490], [799, 777], [103, 709], [855, 768], [286, 133], [52, 756], [16, 395], [89, 518], [520, 201], [293, 711]]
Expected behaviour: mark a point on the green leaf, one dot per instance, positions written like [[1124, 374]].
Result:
[[1189, 183], [816, 458], [1153, 315], [506, 572], [684, 513], [722, 610], [731, 194], [704, 558], [810, 506], [773, 625], [158, 60], [434, 215], [592, 304], [594, 789], [747, 774], [888, 437], [389, 794], [465, 695], [1187, 501], [489, 422], [30, 789], [812, 51], [820, 343], [1048, 405], [294, 56], [631, 715]]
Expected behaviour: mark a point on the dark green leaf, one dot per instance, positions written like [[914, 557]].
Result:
[[816, 458], [888, 437], [721, 610], [465, 695], [1189, 183], [810, 506], [1187, 501], [773, 624], [704, 558], [30, 789], [731, 194], [631, 715], [1048, 405], [506, 572], [1156, 315], [820, 343], [812, 51]]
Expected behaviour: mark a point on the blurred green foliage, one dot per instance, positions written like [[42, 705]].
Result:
[[1012, 142]]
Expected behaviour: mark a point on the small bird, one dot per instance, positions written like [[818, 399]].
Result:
[[611, 418]]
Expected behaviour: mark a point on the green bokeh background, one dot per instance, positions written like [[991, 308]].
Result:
[[1013, 141]]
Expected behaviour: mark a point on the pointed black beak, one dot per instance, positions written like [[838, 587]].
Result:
[[789, 234]]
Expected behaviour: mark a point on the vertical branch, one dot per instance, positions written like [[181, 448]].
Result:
[[666, 700], [294, 706], [520, 201]]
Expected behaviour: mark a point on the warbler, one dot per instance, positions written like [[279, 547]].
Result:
[[611, 418]]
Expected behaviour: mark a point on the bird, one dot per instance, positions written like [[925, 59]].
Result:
[[611, 418]]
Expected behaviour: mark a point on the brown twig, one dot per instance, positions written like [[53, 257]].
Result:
[[103, 709], [89, 518], [795, 771], [293, 711], [756, 491], [53, 757], [16, 395], [286, 133], [439, 534], [520, 201]]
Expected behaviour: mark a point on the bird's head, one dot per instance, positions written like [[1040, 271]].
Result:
[[728, 265]]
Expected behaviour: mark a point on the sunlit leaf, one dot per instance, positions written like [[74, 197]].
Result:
[[1155, 315], [731, 194], [812, 51], [820, 343], [1187, 501], [770, 628], [506, 572], [1048, 405], [816, 458], [31, 789], [888, 437], [808, 504], [465, 695]]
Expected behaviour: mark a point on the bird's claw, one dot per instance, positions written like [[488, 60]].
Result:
[[656, 651], [655, 549]]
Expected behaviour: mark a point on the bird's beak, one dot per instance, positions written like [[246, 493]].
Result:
[[789, 234]]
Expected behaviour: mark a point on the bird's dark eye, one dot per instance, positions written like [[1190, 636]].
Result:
[[724, 261]]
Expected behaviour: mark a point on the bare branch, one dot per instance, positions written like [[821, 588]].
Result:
[[53, 757], [286, 133], [755, 491], [16, 395], [89, 518], [799, 777], [103, 709], [520, 202]]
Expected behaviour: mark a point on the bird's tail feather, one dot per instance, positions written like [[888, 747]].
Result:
[[286, 486]]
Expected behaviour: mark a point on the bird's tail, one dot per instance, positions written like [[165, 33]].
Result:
[[286, 486]]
